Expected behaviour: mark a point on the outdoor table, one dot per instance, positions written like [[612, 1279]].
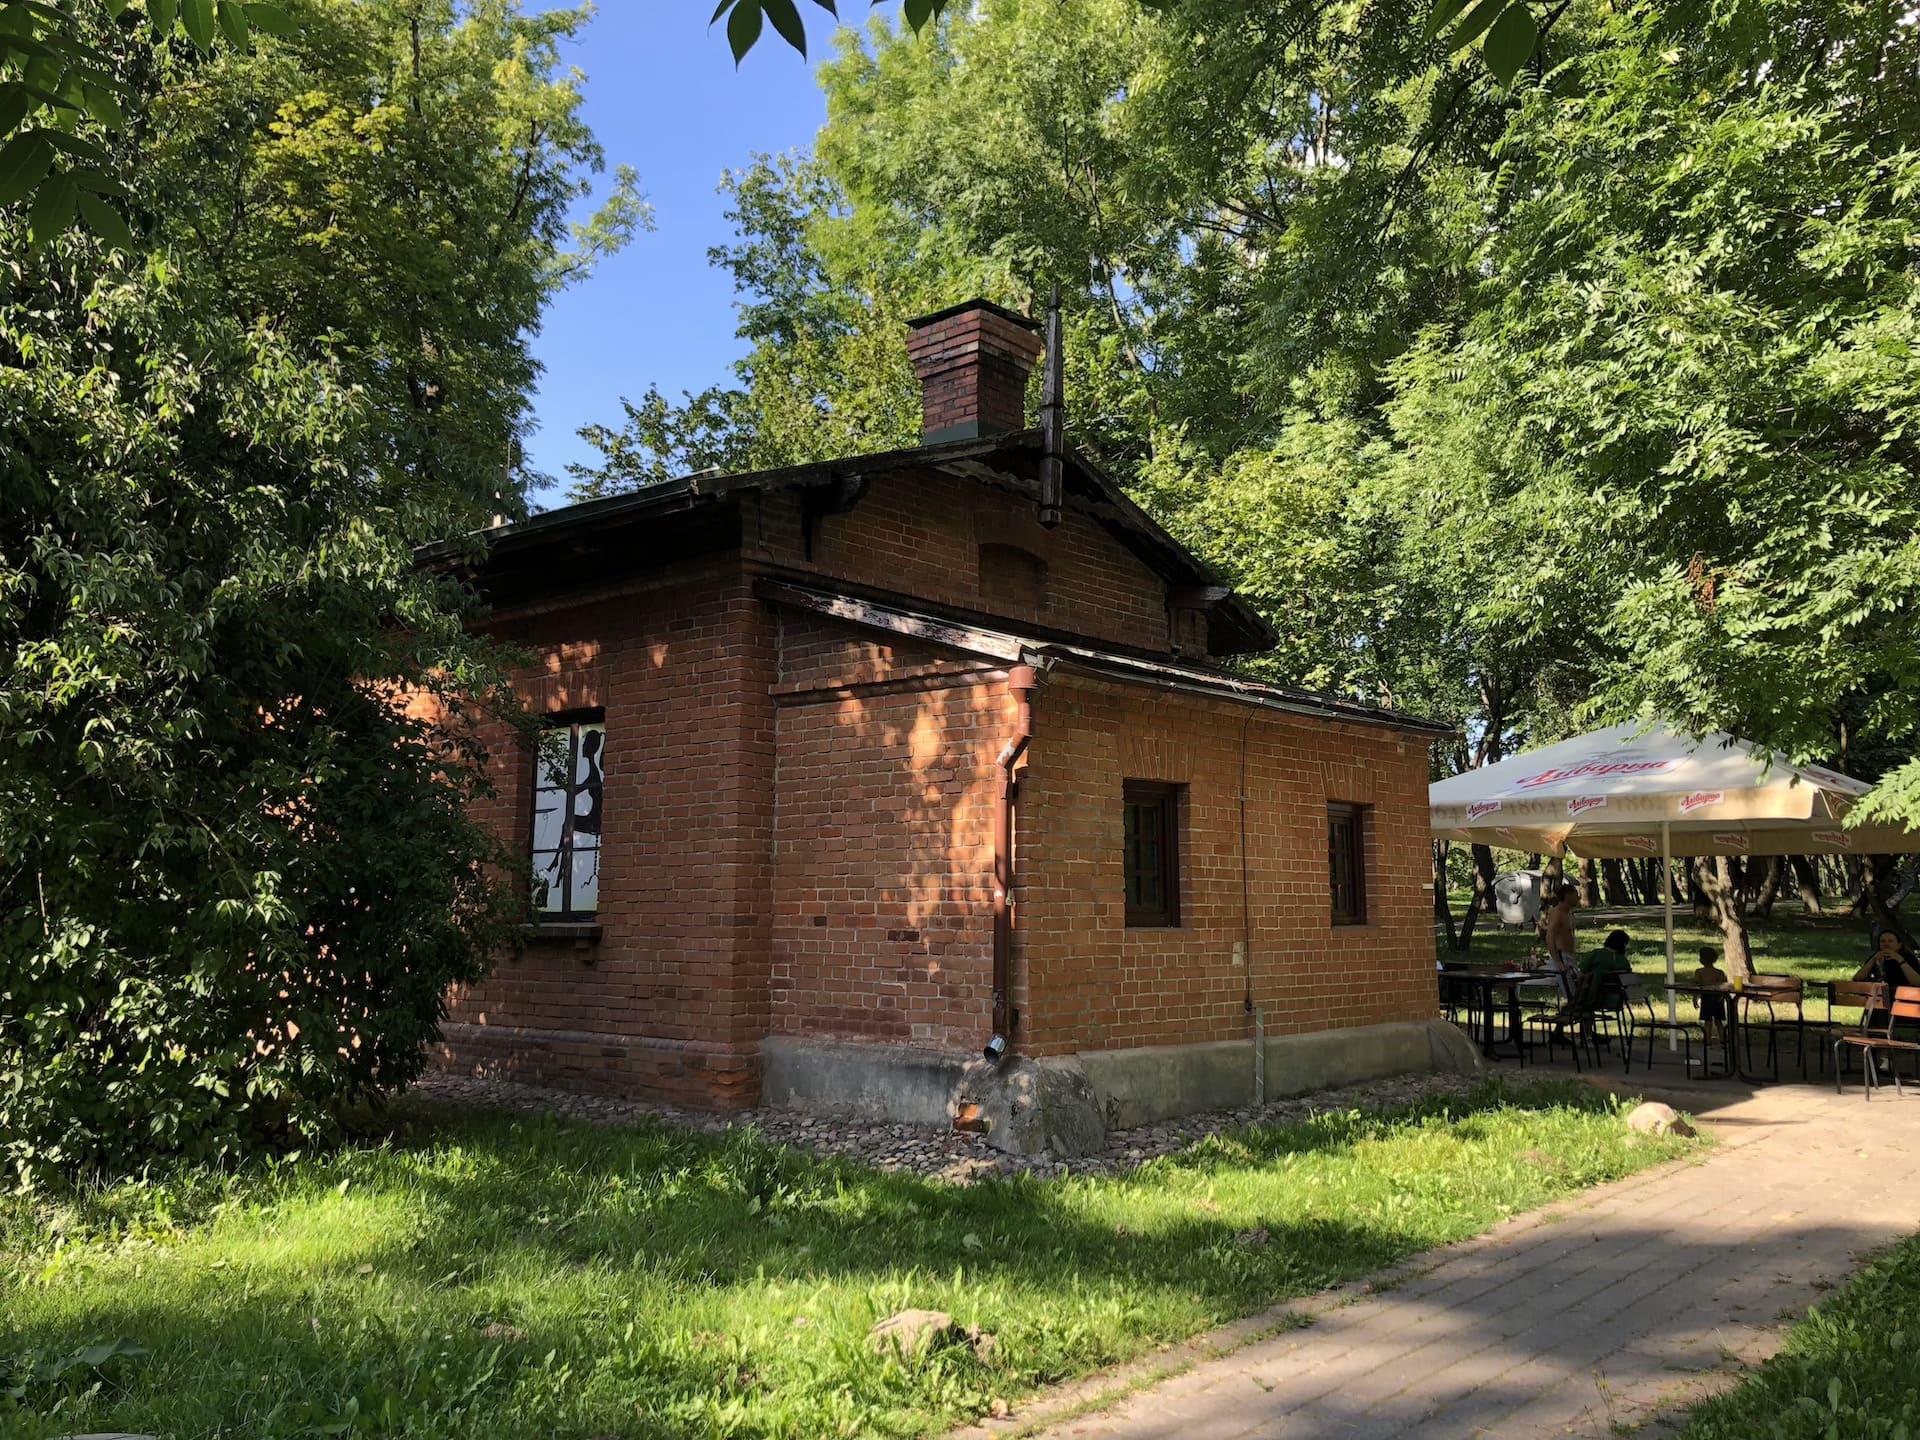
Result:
[[1480, 985], [1730, 1029]]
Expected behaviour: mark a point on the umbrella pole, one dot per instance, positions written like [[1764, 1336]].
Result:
[[1666, 895]]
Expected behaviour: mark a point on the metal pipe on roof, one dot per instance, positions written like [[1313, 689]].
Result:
[[1053, 420]]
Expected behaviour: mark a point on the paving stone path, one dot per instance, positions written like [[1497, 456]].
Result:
[[1593, 1317]]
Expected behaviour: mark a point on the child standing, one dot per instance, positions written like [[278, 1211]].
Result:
[[1713, 1008]]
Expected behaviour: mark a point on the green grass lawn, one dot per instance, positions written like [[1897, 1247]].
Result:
[[1846, 1370], [481, 1275]]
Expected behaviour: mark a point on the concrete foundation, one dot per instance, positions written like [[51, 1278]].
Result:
[[868, 1082], [1137, 1087], [1066, 1104]]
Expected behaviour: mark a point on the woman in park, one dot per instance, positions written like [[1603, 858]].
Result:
[[1891, 963]]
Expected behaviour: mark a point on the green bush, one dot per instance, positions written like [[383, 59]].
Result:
[[237, 873]]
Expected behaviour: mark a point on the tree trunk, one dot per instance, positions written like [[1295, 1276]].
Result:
[[1482, 894], [1442, 905], [1714, 884], [1494, 705], [1613, 884], [1832, 870], [1553, 876], [1879, 893], [1589, 884], [1909, 876], [1807, 880], [1859, 882], [1769, 887], [1702, 898], [1739, 876]]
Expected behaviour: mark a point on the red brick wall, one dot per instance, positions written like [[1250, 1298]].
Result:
[[921, 533], [672, 1000], [1084, 981], [884, 803], [799, 817]]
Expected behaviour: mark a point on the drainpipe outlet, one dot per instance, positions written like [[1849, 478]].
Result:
[[1259, 1055]]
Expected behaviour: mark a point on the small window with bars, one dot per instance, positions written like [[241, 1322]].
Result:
[[1152, 859], [569, 772], [1347, 862]]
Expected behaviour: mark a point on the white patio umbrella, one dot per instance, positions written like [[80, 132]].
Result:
[[1653, 790]]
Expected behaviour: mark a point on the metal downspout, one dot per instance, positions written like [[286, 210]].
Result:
[[1021, 682], [1258, 1013]]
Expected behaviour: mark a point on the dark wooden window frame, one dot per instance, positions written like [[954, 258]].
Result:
[[1347, 862], [1151, 875], [570, 721]]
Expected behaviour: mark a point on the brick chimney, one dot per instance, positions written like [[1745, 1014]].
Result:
[[973, 360]]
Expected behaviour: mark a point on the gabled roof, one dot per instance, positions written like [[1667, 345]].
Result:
[[1011, 648], [1009, 460]]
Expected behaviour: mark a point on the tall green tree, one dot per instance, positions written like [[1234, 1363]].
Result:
[[1529, 397], [237, 722]]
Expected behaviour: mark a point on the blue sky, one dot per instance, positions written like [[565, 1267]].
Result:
[[663, 96]]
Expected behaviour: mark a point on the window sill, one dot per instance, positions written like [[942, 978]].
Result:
[[557, 932]]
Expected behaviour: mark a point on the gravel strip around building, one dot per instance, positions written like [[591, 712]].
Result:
[[938, 1154]]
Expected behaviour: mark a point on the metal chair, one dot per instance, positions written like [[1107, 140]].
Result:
[[1872, 1038], [1614, 1017], [1551, 1022], [1458, 992], [1657, 1025], [1586, 1031], [1866, 996], [1783, 997]]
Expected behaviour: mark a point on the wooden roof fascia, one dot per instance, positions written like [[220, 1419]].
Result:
[[989, 644], [1010, 648]]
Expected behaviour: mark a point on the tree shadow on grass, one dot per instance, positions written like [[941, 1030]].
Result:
[[734, 1205], [657, 1267]]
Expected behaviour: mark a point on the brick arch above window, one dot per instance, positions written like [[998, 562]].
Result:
[[1013, 580], [563, 688]]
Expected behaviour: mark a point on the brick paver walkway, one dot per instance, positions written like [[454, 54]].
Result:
[[1601, 1312]]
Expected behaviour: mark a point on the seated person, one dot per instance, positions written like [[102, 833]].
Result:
[[1713, 1008], [1890, 964], [1599, 970]]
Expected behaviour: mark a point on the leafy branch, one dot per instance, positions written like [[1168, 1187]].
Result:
[[52, 82], [1512, 34]]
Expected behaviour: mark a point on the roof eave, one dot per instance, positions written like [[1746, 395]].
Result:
[[1237, 623], [1004, 647]]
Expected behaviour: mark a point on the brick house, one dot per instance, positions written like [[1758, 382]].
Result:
[[849, 768]]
